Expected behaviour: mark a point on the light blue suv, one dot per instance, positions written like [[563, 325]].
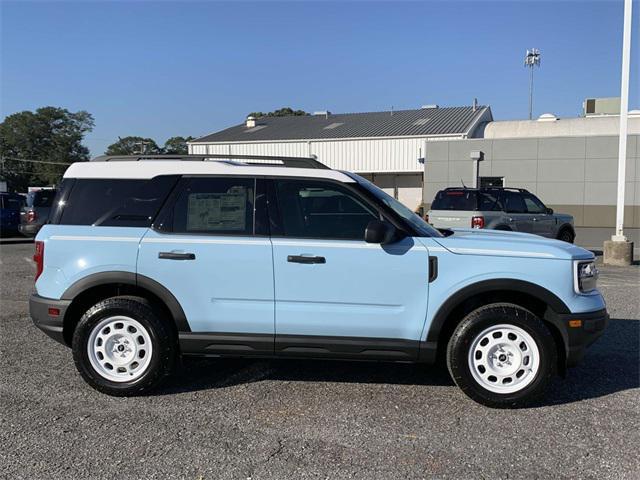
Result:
[[145, 259]]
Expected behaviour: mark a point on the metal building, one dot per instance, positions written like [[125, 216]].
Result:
[[385, 147]]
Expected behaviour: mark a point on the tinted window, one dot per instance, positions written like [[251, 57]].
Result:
[[455, 200], [317, 209], [513, 202], [12, 202], [533, 204], [215, 205], [41, 198], [489, 201], [115, 202]]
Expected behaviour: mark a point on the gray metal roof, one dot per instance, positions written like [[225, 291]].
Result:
[[400, 123]]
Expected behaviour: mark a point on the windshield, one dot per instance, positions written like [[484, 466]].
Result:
[[421, 227]]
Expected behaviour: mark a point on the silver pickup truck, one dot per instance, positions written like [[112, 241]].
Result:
[[513, 209]]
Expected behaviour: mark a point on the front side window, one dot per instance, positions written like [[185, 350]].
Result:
[[318, 209], [534, 205], [222, 206]]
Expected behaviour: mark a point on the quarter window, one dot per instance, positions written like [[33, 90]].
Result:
[[317, 209], [222, 206]]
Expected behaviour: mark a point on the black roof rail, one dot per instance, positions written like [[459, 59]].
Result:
[[524, 190], [266, 160]]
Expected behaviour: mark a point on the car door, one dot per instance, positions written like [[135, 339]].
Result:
[[517, 216], [337, 295], [207, 249], [543, 223]]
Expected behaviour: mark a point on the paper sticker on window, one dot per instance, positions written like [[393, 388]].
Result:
[[217, 211]]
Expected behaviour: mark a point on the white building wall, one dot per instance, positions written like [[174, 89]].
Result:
[[398, 155]]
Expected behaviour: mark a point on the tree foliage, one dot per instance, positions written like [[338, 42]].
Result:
[[177, 145], [134, 146], [282, 112], [50, 134]]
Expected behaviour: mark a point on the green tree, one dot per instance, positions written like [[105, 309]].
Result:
[[177, 145], [282, 112], [50, 134], [133, 146]]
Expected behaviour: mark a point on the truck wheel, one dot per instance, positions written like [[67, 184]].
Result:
[[566, 235], [502, 356], [122, 346]]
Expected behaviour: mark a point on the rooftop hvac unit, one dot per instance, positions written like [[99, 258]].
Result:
[[601, 106]]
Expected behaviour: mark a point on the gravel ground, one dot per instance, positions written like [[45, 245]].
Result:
[[220, 419]]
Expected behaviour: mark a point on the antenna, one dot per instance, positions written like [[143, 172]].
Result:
[[462, 182], [531, 59]]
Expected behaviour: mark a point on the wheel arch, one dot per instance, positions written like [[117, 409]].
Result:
[[98, 286], [540, 301]]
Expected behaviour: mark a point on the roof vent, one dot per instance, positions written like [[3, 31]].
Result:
[[430, 106], [251, 121], [547, 117]]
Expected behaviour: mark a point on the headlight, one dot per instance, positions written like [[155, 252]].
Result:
[[585, 276]]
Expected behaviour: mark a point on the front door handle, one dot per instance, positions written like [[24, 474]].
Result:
[[305, 259], [176, 256]]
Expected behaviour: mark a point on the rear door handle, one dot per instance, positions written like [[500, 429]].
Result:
[[305, 259], [176, 256]]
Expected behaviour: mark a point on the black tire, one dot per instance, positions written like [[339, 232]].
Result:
[[162, 336], [566, 235], [477, 322]]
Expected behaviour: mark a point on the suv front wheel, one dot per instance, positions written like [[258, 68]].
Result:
[[502, 355], [122, 346]]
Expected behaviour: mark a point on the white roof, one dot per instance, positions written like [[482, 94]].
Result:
[[152, 168]]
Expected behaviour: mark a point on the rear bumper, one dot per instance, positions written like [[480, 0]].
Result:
[[29, 229], [42, 311], [578, 338]]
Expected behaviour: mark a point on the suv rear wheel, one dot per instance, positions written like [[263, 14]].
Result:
[[122, 346], [502, 355]]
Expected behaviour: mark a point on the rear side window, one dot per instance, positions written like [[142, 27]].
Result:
[[115, 202], [455, 200], [219, 206], [513, 202]]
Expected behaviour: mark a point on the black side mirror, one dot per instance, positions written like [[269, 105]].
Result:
[[379, 232], [549, 211]]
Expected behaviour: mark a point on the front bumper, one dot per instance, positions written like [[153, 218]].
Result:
[[43, 314], [579, 331]]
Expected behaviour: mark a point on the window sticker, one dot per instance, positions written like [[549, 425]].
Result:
[[217, 211]]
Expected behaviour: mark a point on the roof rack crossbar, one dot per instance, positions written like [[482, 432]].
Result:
[[266, 160]]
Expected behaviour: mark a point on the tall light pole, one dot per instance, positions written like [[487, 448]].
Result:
[[618, 251], [531, 59]]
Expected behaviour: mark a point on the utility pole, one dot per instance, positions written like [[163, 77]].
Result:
[[531, 59], [619, 251]]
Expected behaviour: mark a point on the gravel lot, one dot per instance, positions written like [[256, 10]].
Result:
[[303, 419]]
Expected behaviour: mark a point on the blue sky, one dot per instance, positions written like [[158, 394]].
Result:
[[160, 69]]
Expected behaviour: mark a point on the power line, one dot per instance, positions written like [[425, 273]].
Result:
[[28, 160]]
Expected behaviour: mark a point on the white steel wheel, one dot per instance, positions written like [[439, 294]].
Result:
[[504, 359], [120, 349]]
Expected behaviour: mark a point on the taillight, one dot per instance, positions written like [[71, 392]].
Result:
[[31, 216], [477, 222], [38, 257]]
